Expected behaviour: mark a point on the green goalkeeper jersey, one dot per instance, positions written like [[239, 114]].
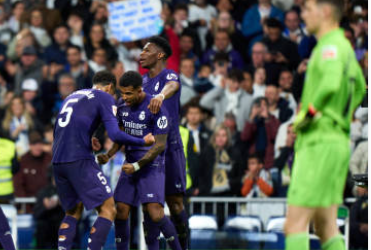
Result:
[[334, 86]]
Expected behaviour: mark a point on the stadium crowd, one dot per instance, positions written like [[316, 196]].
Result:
[[242, 66]]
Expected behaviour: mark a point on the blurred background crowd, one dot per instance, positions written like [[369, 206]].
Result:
[[242, 66]]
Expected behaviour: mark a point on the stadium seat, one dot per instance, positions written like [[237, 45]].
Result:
[[203, 231], [275, 224], [26, 231], [245, 223], [314, 242], [276, 241]]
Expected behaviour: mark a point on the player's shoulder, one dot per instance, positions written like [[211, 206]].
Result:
[[170, 75]]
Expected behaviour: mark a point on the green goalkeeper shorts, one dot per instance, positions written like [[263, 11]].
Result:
[[319, 175]]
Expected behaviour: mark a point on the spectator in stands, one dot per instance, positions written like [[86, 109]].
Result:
[[247, 82], [221, 166], [17, 122], [33, 102], [4, 88], [36, 24], [79, 69], [222, 43], [285, 160], [229, 98], [5, 31], [57, 51], [252, 24], [224, 6], [260, 131], [23, 39], [187, 48], [277, 106], [359, 221], [258, 86], [33, 164], [225, 22], [48, 214], [29, 67], [97, 40], [201, 13], [293, 31], [66, 85], [48, 138], [257, 181], [15, 18], [75, 23], [285, 88], [230, 121], [187, 71], [359, 159], [98, 60], [258, 54], [282, 52], [182, 26], [202, 82], [199, 137], [220, 65], [117, 68]]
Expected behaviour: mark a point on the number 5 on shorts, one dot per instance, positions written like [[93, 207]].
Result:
[[102, 179]]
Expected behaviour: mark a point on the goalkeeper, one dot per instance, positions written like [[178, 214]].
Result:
[[333, 88]]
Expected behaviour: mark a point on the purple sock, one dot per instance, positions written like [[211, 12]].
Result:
[[5, 236], [181, 224], [122, 234], [168, 230], [67, 232], [98, 233], [151, 232]]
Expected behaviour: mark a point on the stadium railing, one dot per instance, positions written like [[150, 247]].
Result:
[[263, 207]]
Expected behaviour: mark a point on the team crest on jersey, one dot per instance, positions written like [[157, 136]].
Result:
[[162, 122], [157, 86], [114, 110], [171, 76], [329, 52], [142, 116]]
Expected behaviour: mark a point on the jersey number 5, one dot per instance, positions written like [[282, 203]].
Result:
[[67, 110]]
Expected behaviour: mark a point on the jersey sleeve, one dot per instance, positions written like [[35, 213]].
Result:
[[332, 67], [108, 110], [161, 122]]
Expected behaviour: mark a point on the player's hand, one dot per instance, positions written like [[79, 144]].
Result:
[[95, 144], [102, 159], [155, 104], [149, 139], [128, 168]]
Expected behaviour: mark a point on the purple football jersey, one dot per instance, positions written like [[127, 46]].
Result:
[[138, 121], [154, 86], [81, 113]]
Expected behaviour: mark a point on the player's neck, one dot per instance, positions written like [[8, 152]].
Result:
[[155, 70], [326, 28]]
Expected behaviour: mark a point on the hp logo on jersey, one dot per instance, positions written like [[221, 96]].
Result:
[[142, 116], [171, 76], [125, 114], [162, 122]]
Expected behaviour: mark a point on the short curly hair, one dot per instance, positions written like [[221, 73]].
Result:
[[162, 44], [131, 78], [104, 78]]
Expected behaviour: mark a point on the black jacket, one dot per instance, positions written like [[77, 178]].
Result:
[[207, 162]]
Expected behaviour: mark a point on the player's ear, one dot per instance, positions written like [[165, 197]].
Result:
[[161, 55]]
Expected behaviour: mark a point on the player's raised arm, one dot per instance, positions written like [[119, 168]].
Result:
[[168, 91]]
